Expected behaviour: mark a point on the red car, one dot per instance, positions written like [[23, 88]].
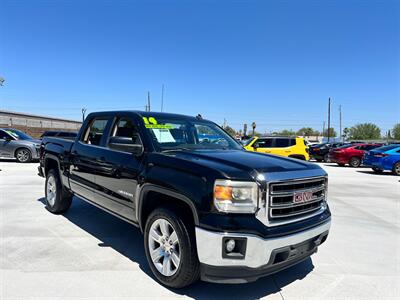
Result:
[[351, 154]]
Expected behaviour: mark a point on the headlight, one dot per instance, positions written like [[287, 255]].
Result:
[[37, 145], [235, 196]]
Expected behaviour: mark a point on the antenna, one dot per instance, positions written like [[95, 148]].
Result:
[[329, 118]]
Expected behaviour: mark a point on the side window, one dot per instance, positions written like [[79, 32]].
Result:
[[281, 143], [264, 143], [3, 135], [124, 128], [95, 132], [292, 142]]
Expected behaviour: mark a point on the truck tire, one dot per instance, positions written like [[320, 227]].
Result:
[[23, 155], [396, 169], [58, 199], [170, 248], [355, 162]]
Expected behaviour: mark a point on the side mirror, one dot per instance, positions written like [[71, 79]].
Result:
[[125, 144], [8, 139], [255, 146]]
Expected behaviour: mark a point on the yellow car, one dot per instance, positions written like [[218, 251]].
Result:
[[294, 147]]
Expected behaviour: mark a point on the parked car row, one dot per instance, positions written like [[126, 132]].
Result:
[[378, 156]]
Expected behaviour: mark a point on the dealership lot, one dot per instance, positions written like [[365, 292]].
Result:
[[89, 254]]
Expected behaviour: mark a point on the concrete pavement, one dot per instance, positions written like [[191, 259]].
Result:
[[88, 254]]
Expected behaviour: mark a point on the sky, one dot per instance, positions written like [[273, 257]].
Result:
[[270, 62]]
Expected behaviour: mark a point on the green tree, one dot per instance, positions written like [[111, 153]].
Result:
[[307, 131], [230, 130], [332, 132], [365, 131], [285, 132], [396, 131]]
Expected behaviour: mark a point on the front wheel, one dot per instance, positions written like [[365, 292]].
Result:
[[58, 199], [23, 155], [355, 162], [396, 169], [326, 158], [171, 248]]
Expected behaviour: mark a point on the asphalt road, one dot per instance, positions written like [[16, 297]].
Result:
[[88, 254]]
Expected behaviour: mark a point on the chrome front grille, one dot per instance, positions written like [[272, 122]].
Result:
[[290, 201]]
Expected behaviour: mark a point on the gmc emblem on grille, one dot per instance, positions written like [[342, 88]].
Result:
[[302, 197]]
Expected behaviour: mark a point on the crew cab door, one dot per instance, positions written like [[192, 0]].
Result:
[[85, 158], [116, 182]]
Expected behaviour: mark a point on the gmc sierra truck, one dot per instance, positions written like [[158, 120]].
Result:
[[208, 209]]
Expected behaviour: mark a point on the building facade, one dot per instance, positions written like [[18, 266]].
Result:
[[35, 125]]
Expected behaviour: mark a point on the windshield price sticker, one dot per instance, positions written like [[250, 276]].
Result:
[[151, 123]]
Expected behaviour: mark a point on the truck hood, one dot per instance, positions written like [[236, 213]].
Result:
[[232, 163]]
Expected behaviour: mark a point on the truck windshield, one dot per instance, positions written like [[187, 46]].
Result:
[[173, 134], [18, 135]]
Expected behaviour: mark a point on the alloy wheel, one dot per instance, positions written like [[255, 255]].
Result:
[[164, 247], [51, 190], [23, 155]]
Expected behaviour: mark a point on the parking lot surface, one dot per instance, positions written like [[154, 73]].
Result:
[[89, 254]]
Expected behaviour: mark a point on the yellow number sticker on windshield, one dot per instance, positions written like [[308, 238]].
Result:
[[152, 123]]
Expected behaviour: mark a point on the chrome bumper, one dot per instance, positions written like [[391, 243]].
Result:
[[258, 251]]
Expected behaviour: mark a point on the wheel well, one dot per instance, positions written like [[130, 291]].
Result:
[[153, 200], [19, 148], [50, 164]]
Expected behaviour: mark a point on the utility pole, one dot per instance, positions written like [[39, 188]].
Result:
[[83, 114], [323, 129], [224, 124], [148, 102], [340, 123], [329, 118], [162, 97]]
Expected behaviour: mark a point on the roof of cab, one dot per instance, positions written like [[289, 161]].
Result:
[[146, 114]]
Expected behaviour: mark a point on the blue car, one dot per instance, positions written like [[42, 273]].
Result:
[[384, 158]]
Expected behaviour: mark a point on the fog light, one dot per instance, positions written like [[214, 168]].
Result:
[[230, 245]]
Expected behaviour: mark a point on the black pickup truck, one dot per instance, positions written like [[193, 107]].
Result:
[[207, 208]]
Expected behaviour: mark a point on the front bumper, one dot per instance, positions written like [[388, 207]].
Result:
[[262, 256]]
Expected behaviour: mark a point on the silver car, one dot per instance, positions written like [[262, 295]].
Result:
[[17, 144]]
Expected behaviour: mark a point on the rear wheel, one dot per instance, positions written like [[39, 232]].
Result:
[[355, 162], [396, 169], [58, 199], [376, 170], [326, 158], [171, 248], [23, 155]]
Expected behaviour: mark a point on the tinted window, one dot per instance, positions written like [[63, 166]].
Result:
[[3, 135], [124, 127], [95, 132], [264, 143], [49, 133], [292, 142], [281, 143]]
